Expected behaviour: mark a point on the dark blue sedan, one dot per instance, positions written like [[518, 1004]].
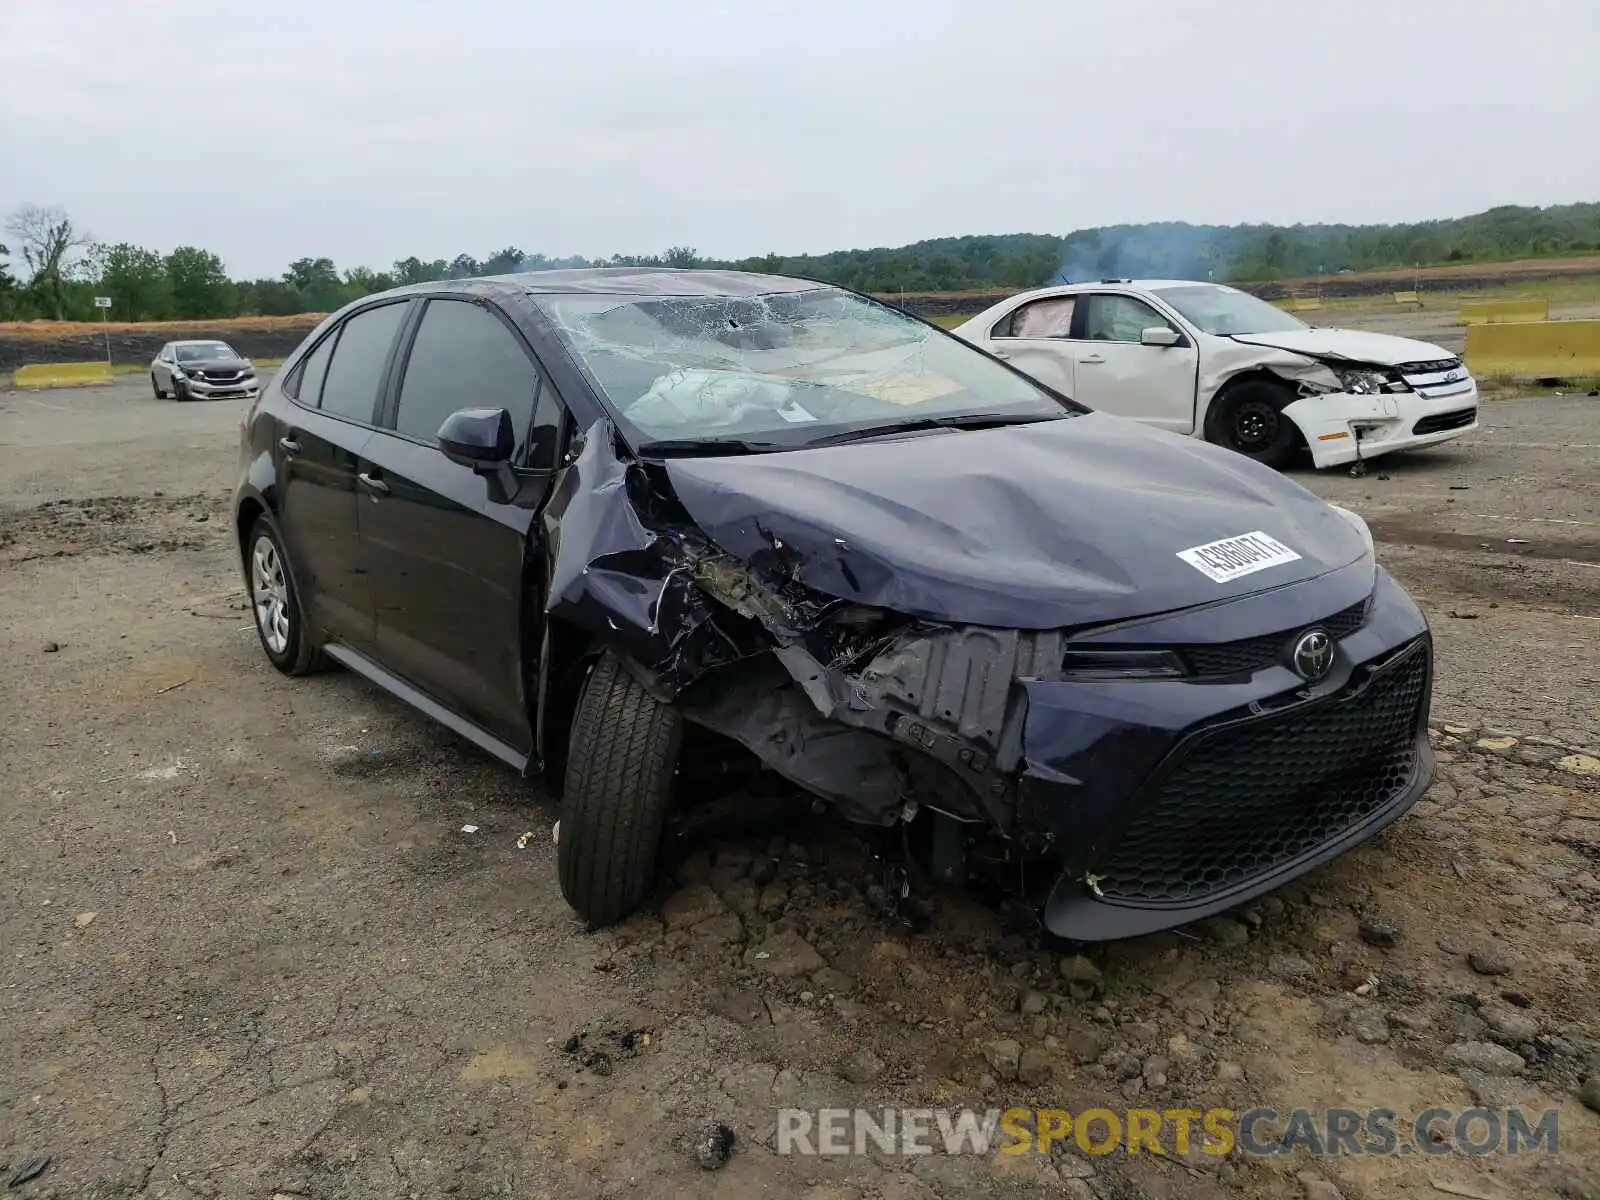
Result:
[[631, 530]]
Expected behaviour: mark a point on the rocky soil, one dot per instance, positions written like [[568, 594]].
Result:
[[285, 938]]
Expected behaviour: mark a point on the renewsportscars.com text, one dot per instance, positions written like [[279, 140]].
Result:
[[1182, 1131]]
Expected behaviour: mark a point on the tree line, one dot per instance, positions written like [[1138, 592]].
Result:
[[53, 269]]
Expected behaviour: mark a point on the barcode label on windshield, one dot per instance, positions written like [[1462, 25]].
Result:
[[1234, 557]]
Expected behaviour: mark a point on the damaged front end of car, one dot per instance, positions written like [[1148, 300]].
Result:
[[1090, 757], [874, 711]]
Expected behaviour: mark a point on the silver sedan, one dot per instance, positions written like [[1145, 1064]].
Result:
[[196, 370]]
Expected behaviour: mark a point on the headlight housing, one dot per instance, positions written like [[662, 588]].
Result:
[[1369, 381], [1361, 528]]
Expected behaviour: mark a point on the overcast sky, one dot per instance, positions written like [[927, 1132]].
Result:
[[368, 131]]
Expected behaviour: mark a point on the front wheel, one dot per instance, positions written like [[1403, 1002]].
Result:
[[621, 760], [275, 602], [180, 390], [1248, 419]]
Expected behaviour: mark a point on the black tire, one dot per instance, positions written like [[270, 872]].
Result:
[[180, 390], [156, 388], [1248, 419], [297, 655], [621, 758]]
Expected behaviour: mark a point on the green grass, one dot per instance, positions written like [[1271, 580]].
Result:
[[1570, 293]]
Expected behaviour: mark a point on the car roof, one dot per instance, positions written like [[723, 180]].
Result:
[[634, 282], [1137, 285], [1050, 291], [199, 342]]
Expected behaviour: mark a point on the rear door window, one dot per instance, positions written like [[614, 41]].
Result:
[[1048, 318], [306, 383], [350, 388]]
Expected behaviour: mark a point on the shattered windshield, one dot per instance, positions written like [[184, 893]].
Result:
[[1224, 311], [784, 369]]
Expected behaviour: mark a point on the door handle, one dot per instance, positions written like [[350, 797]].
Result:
[[1092, 358], [288, 445], [1001, 353], [373, 484]]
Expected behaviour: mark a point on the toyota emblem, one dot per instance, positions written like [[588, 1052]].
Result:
[[1313, 654]]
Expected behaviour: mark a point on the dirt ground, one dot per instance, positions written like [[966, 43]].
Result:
[[248, 950]]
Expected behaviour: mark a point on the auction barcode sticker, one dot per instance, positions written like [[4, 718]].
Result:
[[1233, 557]]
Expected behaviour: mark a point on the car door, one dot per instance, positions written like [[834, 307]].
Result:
[[1033, 338], [334, 393], [446, 560], [1114, 372], [163, 368]]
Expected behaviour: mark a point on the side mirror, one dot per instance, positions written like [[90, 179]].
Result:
[[479, 438], [483, 440], [1159, 335]]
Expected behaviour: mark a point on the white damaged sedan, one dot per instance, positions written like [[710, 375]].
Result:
[[1215, 362]]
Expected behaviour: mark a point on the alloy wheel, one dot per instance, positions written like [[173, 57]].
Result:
[[269, 590]]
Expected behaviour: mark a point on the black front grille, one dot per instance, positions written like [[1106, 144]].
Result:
[[222, 376], [1248, 799], [1439, 422], [1435, 367], [1251, 654]]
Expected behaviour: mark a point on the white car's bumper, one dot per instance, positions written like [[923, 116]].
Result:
[[1340, 427]]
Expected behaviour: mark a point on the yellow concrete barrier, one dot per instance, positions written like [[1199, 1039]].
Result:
[[1496, 312], [1407, 298], [62, 374], [1535, 348], [1304, 303]]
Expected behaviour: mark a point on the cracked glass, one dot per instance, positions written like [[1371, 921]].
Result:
[[782, 370]]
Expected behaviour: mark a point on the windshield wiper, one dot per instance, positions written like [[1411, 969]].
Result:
[[915, 424], [674, 447]]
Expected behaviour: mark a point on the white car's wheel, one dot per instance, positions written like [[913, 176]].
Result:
[[1248, 419]]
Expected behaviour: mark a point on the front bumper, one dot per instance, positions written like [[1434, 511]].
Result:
[[248, 388], [1167, 800], [1340, 427], [1152, 801]]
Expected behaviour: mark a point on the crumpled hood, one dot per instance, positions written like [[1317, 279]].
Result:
[[1352, 345], [216, 364], [1041, 526]]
